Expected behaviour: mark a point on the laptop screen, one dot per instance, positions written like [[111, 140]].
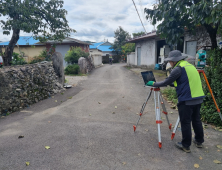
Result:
[[148, 76]]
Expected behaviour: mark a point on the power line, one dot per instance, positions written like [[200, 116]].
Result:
[[139, 15]]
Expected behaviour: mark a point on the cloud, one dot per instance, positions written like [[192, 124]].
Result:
[[119, 17], [97, 20], [82, 18]]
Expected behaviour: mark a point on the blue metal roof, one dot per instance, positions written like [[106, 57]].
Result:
[[24, 40], [104, 48], [93, 46], [100, 46]]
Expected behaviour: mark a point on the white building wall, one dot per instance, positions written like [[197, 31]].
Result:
[[131, 59], [97, 59], [148, 53]]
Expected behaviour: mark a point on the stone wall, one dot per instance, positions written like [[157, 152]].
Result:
[[21, 86]]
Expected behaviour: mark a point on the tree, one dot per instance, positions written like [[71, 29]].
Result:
[[138, 34], [120, 40], [73, 55], [128, 48], [45, 19], [176, 15]]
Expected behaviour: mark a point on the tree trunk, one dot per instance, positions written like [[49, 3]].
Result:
[[9, 49], [213, 35]]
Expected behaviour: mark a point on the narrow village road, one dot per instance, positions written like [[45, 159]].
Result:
[[87, 132]]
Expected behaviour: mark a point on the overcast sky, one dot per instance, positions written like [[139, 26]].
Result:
[[96, 20]]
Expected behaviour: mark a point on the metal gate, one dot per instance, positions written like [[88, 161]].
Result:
[[63, 50], [138, 56], [191, 47]]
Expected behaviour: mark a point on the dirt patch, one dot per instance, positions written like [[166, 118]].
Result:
[[75, 80]]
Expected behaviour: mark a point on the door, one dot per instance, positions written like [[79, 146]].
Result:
[[138, 56], [191, 47], [63, 50]]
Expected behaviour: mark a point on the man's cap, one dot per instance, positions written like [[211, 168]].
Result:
[[175, 56]]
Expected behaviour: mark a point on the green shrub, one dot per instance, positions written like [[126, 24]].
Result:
[[73, 55], [37, 59], [18, 59], [43, 56], [213, 72], [72, 69]]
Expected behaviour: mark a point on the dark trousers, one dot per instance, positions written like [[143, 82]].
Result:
[[187, 114]]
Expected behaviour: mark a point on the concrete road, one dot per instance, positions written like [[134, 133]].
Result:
[[86, 132]]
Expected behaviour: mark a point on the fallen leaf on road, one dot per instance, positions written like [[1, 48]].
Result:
[[55, 100], [200, 158], [99, 102], [196, 165], [89, 114], [49, 121], [217, 162], [171, 112], [47, 147], [146, 130], [139, 154], [21, 136], [220, 130], [219, 146], [137, 113], [123, 96], [218, 150], [124, 163], [115, 107], [70, 97], [27, 163], [113, 112], [52, 96]]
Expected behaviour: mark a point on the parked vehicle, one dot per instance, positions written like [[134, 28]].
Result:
[[1, 61]]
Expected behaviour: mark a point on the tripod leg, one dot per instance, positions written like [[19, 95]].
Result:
[[142, 109], [208, 85], [158, 116], [175, 128], [165, 111]]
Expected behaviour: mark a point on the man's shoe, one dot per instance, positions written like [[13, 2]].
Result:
[[197, 144], [180, 146]]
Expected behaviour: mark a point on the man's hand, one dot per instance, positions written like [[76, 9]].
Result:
[[150, 83]]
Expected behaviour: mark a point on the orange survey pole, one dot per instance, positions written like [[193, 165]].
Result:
[[208, 85]]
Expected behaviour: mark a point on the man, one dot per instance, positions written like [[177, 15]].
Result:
[[186, 79], [110, 59]]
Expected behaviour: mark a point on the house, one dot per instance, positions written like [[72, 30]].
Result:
[[27, 45], [32, 47], [64, 46], [148, 47], [102, 46], [147, 50]]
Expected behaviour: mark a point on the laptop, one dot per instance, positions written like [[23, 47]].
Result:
[[148, 76]]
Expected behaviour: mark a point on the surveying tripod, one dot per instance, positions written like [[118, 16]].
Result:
[[157, 99], [208, 85]]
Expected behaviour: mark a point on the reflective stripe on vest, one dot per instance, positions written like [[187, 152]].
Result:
[[188, 85]]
